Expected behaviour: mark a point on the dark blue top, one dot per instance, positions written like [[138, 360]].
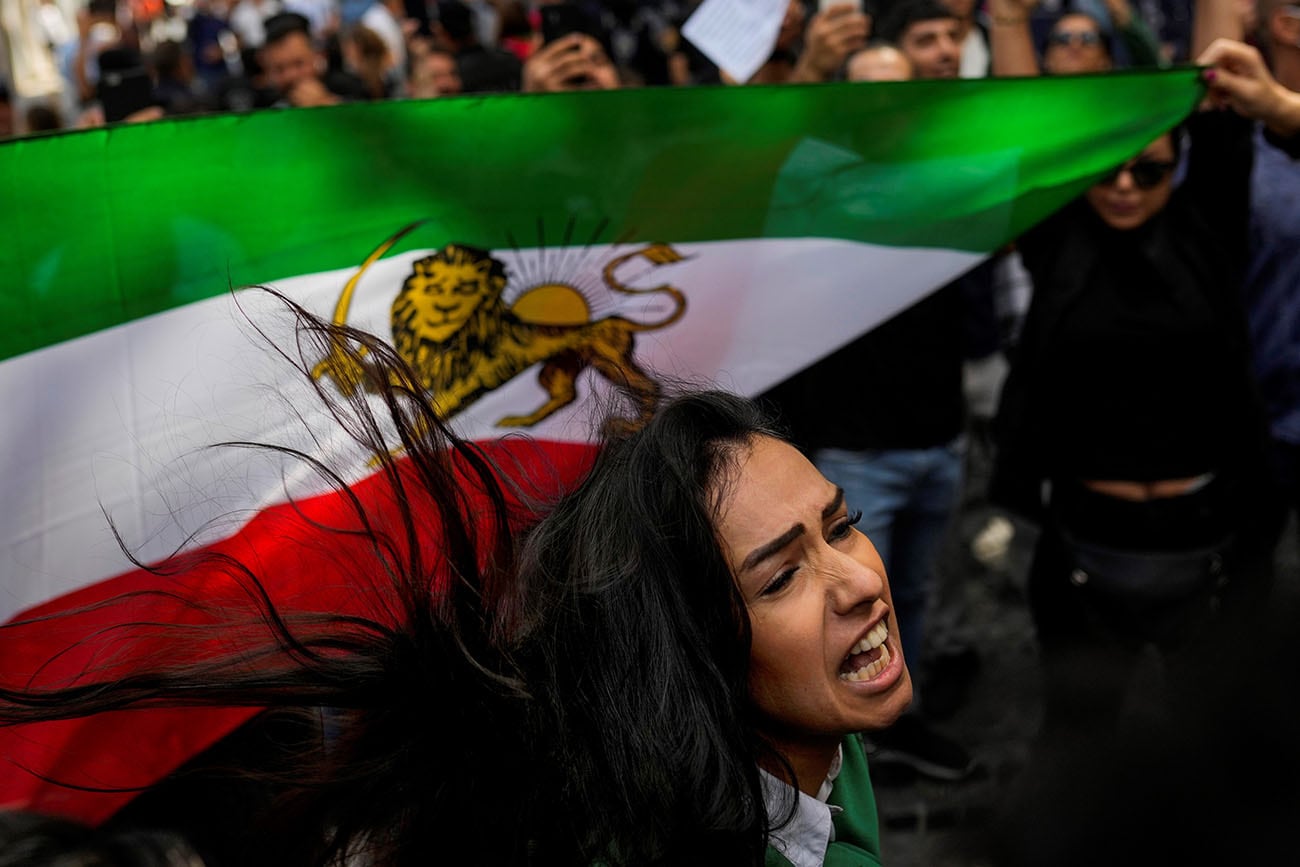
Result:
[[1272, 287]]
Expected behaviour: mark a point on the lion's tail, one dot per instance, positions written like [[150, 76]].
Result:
[[657, 254]]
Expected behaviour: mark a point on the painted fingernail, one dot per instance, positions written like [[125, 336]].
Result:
[[1211, 74]]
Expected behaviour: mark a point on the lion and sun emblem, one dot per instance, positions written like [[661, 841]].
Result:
[[452, 325]]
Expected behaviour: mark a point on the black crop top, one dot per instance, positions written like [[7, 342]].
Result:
[[1143, 376]]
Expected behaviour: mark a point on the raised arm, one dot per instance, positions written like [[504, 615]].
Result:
[[1010, 41], [832, 35], [1214, 19], [1143, 48]]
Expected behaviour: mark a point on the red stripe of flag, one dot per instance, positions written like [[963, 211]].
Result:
[[305, 566]]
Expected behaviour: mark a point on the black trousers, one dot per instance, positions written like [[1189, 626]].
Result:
[[1092, 628]]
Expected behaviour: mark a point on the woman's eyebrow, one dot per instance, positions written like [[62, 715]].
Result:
[[762, 552], [834, 505]]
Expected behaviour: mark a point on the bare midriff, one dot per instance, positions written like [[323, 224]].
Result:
[[1140, 492]]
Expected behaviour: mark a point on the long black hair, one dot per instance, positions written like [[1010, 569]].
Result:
[[644, 641], [557, 683], [35, 840], [403, 718]]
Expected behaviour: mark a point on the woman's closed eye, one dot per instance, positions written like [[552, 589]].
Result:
[[779, 583]]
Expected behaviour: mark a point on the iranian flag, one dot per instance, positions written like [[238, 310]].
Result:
[[523, 253]]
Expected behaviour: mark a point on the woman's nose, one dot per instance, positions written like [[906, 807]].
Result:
[[854, 583]]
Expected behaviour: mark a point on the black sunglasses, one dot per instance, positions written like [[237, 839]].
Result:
[[1146, 173], [1066, 37]]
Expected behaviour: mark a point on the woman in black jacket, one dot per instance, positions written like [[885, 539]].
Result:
[[1130, 427]]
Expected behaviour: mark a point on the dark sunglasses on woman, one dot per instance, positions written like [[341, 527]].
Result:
[[1066, 37], [1145, 172]]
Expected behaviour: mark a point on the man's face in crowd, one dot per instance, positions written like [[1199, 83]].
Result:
[[933, 48], [1075, 45], [290, 61]]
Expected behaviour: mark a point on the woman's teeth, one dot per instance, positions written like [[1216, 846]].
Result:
[[875, 638], [871, 669]]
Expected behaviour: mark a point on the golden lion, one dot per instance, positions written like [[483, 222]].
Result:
[[452, 327]]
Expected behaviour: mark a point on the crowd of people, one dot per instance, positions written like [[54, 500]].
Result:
[[180, 58], [1132, 364]]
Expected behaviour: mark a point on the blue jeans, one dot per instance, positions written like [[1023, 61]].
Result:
[[907, 497]]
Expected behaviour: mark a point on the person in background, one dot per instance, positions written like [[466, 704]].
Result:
[[42, 117], [245, 89], [831, 36], [248, 19], [928, 32], [366, 56], [1078, 43], [1243, 82], [1075, 43], [780, 64], [297, 70], [203, 38], [878, 61], [7, 128], [433, 72], [322, 15], [483, 68], [576, 61], [518, 33], [173, 74], [97, 30], [641, 39], [384, 19], [1272, 288], [1132, 433], [972, 37]]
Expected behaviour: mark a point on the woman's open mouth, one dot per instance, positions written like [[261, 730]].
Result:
[[869, 657]]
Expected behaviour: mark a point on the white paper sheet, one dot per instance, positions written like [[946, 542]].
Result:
[[737, 35]]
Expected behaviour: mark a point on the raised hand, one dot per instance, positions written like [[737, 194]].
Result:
[[573, 62], [1239, 79], [832, 35]]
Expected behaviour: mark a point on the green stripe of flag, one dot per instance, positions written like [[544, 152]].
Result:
[[108, 225]]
